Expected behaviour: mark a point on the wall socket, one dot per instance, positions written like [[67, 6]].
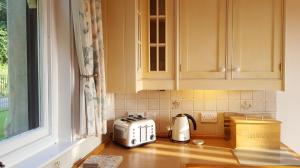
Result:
[[209, 117]]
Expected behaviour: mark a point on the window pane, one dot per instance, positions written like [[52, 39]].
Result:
[[162, 31], [152, 7], [153, 59], [19, 97], [161, 7], [153, 31], [162, 58]]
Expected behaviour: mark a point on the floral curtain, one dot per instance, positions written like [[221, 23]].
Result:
[[87, 19]]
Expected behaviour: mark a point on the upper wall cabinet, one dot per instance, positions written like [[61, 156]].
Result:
[[194, 44], [231, 44], [202, 39], [157, 44], [256, 39], [120, 45]]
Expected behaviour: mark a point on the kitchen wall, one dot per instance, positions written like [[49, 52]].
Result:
[[289, 101], [160, 106]]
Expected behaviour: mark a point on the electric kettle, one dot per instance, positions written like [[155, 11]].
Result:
[[180, 130]]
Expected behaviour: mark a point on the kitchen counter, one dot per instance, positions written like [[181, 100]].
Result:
[[165, 154]]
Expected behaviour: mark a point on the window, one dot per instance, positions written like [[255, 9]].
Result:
[[29, 118], [19, 89]]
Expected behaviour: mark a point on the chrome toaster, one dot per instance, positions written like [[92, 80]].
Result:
[[134, 130]]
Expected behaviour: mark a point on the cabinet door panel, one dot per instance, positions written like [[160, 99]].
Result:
[[158, 34], [257, 39], [202, 39]]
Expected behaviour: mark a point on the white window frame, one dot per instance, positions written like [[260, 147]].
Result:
[[17, 148]]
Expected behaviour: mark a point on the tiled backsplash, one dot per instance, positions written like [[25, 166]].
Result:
[[160, 106]]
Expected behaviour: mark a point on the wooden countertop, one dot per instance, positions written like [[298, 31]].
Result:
[[252, 120], [166, 154], [215, 153]]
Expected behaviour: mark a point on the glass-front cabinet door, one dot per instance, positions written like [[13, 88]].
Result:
[[157, 36]]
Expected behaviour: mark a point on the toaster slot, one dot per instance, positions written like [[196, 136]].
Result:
[[143, 134]]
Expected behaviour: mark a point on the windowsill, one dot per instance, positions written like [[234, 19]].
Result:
[[62, 154]]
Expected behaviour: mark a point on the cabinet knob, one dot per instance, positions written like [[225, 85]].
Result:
[[222, 69], [237, 69]]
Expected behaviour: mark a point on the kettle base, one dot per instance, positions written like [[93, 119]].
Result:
[[181, 142]]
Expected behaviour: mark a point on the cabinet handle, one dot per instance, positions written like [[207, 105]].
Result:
[[236, 69], [222, 69]]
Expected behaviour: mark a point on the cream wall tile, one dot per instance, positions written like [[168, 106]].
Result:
[[175, 95], [187, 105], [222, 105], [222, 95], [270, 96], [120, 104], [142, 95], [153, 114], [210, 104], [131, 104], [199, 94], [153, 94], [208, 94], [131, 96], [153, 104], [142, 104], [164, 104], [246, 95], [234, 106], [259, 106], [188, 94], [198, 104], [234, 95], [259, 95]]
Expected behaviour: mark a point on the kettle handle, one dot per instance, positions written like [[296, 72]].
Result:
[[193, 120]]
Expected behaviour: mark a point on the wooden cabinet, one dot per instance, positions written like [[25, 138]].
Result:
[[158, 40], [194, 44], [256, 39], [120, 45], [202, 39], [231, 44]]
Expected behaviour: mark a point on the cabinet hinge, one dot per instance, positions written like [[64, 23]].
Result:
[[280, 67]]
